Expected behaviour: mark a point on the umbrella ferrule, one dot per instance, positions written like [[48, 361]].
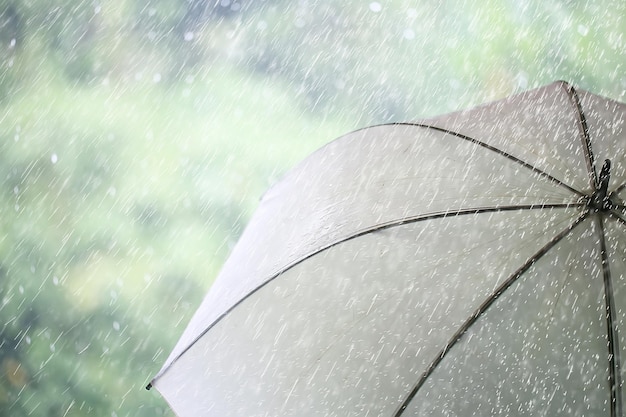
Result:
[[601, 201]]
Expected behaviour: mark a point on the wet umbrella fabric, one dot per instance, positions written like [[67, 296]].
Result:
[[469, 264]]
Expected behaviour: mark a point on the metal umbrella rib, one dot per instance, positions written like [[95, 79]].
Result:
[[584, 134], [600, 185], [500, 152], [377, 228], [611, 324]]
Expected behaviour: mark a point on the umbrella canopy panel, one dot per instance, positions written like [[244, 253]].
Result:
[[404, 269]]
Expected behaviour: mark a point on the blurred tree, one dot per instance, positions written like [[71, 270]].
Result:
[[119, 183], [11, 35]]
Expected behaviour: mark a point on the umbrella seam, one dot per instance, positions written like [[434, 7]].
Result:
[[583, 128], [612, 336], [495, 150], [617, 216], [619, 189], [476, 142], [484, 307], [379, 227]]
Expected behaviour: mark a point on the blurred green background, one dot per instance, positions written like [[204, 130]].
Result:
[[138, 135]]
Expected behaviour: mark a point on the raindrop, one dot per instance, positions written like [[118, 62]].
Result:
[[340, 84], [156, 78], [55, 280], [12, 43], [299, 22], [116, 326], [54, 158], [189, 36], [583, 30], [16, 189], [375, 6], [408, 34], [21, 289], [522, 80]]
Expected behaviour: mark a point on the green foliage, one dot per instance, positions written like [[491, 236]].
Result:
[[137, 136], [405, 60]]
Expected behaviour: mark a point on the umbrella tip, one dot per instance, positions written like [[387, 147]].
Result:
[[149, 386], [601, 199], [605, 175]]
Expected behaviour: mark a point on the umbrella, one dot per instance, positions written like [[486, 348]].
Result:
[[470, 264]]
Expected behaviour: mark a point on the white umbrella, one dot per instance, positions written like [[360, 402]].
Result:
[[472, 264]]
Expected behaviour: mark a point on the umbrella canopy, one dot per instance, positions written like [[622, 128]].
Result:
[[471, 264]]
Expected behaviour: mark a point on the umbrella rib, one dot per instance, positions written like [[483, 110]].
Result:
[[619, 189], [584, 134], [617, 216], [377, 228], [484, 306], [498, 151], [613, 338]]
